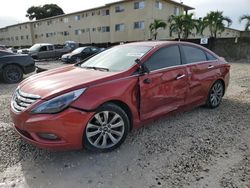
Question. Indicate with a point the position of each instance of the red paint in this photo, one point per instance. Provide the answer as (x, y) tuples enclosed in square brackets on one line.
[(161, 96)]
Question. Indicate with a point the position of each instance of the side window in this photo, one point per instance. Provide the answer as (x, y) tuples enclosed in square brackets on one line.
[(193, 54), (210, 57), (43, 49), (86, 50), (94, 49), (51, 48), (165, 57)]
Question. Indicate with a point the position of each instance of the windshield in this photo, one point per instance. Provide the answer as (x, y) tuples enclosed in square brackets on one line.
[(35, 47), (78, 50), (119, 58)]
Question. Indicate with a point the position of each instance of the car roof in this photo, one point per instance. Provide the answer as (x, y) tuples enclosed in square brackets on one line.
[(158, 43)]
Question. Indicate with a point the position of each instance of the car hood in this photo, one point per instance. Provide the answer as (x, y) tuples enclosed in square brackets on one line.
[(54, 82)]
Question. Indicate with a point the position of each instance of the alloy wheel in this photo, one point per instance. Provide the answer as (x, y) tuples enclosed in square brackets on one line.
[(216, 94), (105, 129)]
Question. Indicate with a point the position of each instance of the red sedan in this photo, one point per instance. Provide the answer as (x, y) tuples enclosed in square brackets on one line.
[(95, 103)]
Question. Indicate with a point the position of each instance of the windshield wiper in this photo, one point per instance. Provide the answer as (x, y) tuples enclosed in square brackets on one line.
[(97, 68)]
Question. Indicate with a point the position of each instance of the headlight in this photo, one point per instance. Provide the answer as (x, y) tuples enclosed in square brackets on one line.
[(57, 104)]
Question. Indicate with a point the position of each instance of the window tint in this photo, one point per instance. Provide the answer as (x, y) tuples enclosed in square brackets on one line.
[(51, 48), (193, 54), (210, 57), (43, 49), (86, 50), (165, 57)]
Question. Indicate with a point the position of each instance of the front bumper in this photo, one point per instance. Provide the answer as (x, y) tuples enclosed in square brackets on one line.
[(68, 126)]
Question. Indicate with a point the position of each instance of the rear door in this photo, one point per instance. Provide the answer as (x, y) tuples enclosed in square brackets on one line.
[(165, 87), (202, 68)]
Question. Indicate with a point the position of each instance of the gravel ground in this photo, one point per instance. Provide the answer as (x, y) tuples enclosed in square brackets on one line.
[(198, 148)]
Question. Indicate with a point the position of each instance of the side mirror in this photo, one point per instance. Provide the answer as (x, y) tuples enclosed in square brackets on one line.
[(142, 67)]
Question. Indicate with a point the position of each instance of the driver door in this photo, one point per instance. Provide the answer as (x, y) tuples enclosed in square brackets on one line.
[(164, 89)]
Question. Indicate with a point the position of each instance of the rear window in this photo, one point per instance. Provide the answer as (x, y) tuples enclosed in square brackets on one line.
[(193, 54), (210, 57)]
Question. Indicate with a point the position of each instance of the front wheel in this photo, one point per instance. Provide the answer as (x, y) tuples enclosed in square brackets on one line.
[(107, 129), (215, 94), (12, 74)]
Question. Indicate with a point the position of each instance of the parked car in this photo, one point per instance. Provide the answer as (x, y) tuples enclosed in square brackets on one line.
[(80, 54), (94, 104), (23, 51), (47, 51), (13, 66)]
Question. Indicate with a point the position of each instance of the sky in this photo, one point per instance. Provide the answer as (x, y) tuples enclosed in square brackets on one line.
[(13, 11)]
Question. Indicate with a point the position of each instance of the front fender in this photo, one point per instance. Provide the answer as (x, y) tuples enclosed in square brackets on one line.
[(124, 90)]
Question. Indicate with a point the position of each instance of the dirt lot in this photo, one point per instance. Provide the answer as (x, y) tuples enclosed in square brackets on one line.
[(198, 148)]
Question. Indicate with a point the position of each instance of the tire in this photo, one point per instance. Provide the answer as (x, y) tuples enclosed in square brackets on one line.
[(107, 129), (12, 74), (215, 95)]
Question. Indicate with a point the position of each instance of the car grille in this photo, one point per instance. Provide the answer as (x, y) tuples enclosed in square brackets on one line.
[(21, 101)]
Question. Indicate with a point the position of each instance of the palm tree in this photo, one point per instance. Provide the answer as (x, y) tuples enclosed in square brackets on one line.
[(176, 25), (183, 25), (155, 26), (215, 21), (189, 24), (247, 18)]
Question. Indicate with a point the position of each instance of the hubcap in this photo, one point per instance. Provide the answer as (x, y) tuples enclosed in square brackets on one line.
[(13, 74), (216, 94), (105, 129)]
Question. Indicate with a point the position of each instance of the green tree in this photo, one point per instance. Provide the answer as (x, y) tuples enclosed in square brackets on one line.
[(176, 25), (155, 26), (215, 21), (45, 11), (183, 25), (246, 18)]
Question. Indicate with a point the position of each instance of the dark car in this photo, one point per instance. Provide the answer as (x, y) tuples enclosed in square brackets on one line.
[(79, 54), (13, 66), (94, 104)]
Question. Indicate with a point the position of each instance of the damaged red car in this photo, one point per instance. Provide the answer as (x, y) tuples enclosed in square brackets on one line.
[(94, 104)]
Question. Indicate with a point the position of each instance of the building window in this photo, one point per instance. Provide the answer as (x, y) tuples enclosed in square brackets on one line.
[(176, 11), (88, 30), (105, 12), (93, 13), (119, 8), (87, 14), (139, 25), (158, 5), (65, 20), (105, 29), (139, 5), (20, 27), (16, 37), (27, 37), (94, 29), (49, 22), (65, 33), (77, 18), (119, 27), (77, 32), (98, 12), (99, 29), (22, 37)]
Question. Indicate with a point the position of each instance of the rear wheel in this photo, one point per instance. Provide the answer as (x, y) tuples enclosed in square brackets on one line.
[(215, 94), (107, 129), (12, 74)]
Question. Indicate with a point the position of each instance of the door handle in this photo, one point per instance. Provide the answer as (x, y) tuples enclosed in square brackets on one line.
[(147, 81), (180, 76), (210, 67)]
